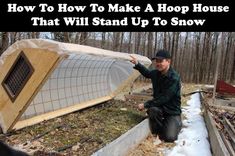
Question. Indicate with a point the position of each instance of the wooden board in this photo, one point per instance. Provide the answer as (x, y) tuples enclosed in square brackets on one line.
[(221, 104), (42, 61), (126, 142), (60, 112), (133, 97), (216, 142)]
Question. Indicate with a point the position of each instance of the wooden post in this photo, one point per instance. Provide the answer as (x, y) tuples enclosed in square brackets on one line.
[(217, 67)]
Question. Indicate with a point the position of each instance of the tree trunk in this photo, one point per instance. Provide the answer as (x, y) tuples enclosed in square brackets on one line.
[(137, 42), (165, 41), (66, 37), (155, 45), (121, 41), (130, 43), (84, 38), (5, 42), (35, 34), (116, 41), (150, 45), (103, 40), (58, 36)]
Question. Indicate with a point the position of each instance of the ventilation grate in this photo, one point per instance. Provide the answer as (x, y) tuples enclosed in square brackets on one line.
[(17, 76)]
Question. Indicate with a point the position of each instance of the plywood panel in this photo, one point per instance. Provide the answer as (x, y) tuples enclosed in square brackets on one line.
[(3, 72), (42, 61)]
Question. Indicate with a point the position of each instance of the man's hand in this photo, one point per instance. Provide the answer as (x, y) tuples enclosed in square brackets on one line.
[(133, 60), (141, 107)]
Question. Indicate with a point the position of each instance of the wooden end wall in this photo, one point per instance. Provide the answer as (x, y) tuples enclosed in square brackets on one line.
[(43, 62)]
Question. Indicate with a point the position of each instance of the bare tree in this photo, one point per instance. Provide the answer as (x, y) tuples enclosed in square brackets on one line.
[(5, 41), (58, 36), (66, 37), (228, 56), (35, 34), (83, 38), (155, 44), (121, 41), (193, 53), (137, 42), (130, 43), (165, 41), (150, 45), (103, 37)]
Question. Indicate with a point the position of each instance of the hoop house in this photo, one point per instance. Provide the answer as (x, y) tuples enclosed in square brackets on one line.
[(42, 79)]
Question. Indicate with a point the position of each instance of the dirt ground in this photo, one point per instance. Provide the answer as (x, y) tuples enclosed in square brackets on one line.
[(84, 132), (150, 147), (79, 133)]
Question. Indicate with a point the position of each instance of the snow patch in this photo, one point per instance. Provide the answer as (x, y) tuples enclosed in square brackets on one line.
[(193, 138)]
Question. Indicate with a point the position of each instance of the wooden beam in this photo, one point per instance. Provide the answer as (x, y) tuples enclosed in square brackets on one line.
[(228, 145), (60, 112), (227, 108), (219, 106), (133, 96), (217, 145), (126, 142)]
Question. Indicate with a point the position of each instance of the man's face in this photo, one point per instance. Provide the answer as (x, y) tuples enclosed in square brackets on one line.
[(162, 64)]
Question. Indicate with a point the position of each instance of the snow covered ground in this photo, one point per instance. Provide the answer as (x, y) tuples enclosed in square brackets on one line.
[(193, 138)]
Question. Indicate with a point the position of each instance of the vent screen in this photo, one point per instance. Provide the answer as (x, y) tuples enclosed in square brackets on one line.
[(17, 77)]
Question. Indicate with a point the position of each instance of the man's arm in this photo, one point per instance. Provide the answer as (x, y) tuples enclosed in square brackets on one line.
[(141, 68)]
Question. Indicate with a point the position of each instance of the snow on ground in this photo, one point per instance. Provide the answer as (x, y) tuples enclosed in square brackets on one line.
[(193, 138)]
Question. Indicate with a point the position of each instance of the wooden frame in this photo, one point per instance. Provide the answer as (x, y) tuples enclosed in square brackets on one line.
[(216, 142), (43, 62), (4, 84)]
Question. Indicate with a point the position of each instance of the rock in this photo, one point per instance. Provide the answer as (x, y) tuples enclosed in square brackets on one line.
[(123, 109), (76, 147)]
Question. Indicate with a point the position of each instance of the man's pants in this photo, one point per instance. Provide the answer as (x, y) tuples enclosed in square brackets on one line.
[(166, 126)]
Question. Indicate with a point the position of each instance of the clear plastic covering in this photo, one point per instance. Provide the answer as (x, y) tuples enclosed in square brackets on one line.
[(77, 79)]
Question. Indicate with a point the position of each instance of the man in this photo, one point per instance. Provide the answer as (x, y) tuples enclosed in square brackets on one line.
[(6, 150), (164, 110)]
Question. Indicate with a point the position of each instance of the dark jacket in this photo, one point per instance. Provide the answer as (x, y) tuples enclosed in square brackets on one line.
[(166, 89)]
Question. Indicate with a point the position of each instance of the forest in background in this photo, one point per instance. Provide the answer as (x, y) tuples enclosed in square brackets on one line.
[(194, 54)]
